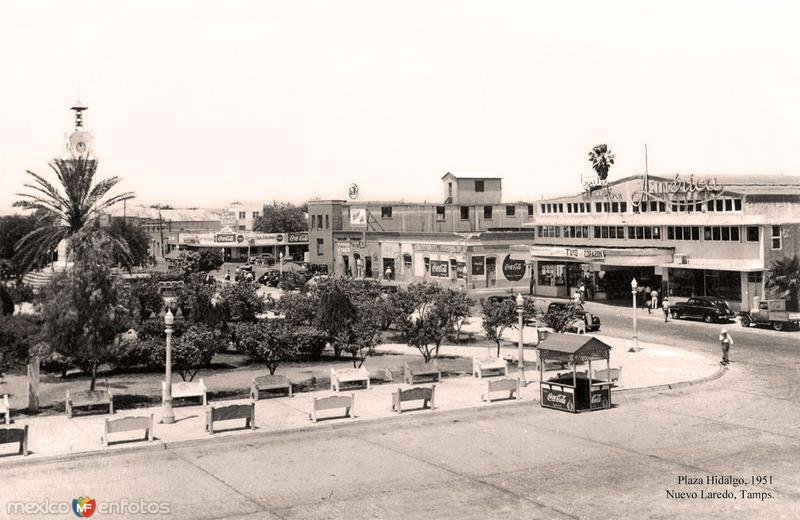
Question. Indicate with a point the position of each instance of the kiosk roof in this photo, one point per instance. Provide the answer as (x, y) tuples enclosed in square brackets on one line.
[(585, 347)]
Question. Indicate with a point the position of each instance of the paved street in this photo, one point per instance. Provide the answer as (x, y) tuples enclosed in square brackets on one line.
[(516, 461)]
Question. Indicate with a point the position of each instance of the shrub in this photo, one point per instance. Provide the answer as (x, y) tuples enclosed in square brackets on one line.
[(18, 335), (266, 342), (147, 352), (560, 318), (299, 308), (243, 301), (309, 341), (194, 349)]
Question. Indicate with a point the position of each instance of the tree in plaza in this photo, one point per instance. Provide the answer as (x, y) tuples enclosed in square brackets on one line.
[(497, 317), (145, 298), (602, 159), (281, 217), (359, 338), (299, 308), (194, 349), (137, 240), (62, 210), (783, 277), (433, 318), (18, 336), (82, 307), (459, 306), (200, 302), (560, 318), (242, 301), (12, 229), (335, 312), (268, 342), (199, 261)]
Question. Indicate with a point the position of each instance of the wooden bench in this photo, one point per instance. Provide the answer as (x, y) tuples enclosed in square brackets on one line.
[(502, 385), (612, 375), (348, 375), (269, 383), (412, 370), (229, 413), (128, 424), (5, 408), (20, 435), (419, 393), (186, 389), (89, 399), (479, 366), (331, 403)]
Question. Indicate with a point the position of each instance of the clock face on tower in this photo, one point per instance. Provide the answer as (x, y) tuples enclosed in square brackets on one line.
[(80, 142), (80, 147)]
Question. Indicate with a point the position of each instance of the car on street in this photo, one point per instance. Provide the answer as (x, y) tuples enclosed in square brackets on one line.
[(591, 322), (262, 259), (710, 309)]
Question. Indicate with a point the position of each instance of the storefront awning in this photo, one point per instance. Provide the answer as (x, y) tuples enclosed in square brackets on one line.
[(747, 266), (621, 256)]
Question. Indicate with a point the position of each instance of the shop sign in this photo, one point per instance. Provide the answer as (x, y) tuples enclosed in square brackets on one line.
[(344, 249), (225, 237), (279, 238), (585, 253), (461, 270), (440, 268), (554, 398), (228, 218), (240, 238), (298, 237), (358, 216), (478, 264), (439, 248), (690, 190), (513, 270)]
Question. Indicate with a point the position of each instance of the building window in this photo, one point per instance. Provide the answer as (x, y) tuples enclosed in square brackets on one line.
[(683, 233), (551, 273), (320, 247), (576, 231), (242, 227), (440, 214), (242, 215), (319, 221), (530, 210), (479, 186), (327, 222), (464, 212), (756, 277), (510, 211), (543, 208), (386, 212), (615, 232), (644, 232), (313, 221), (487, 212), (407, 264), (255, 214), (549, 231), (752, 233), (776, 237), (561, 208), (427, 264), (723, 233)]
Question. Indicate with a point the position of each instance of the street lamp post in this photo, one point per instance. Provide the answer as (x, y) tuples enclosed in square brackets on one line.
[(167, 415), (280, 256), (635, 346), (520, 361)]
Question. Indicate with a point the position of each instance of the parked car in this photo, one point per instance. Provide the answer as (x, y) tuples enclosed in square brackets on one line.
[(772, 313), (707, 308), (262, 259), (591, 322)]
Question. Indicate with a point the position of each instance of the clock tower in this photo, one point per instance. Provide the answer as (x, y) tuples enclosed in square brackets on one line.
[(79, 142)]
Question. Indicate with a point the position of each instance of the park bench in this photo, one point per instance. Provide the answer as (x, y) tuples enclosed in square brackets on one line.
[(230, 413), (186, 389), (502, 385), (332, 403), (20, 435), (612, 375), (89, 399), (5, 408), (479, 366), (269, 383), (128, 424), (419, 393), (412, 370), (348, 375)]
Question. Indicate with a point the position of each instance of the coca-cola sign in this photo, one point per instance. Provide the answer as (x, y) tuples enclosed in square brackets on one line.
[(601, 398), (554, 398), (440, 268), (513, 270)]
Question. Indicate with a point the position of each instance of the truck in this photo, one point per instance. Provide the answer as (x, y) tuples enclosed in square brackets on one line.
[(772, 313)]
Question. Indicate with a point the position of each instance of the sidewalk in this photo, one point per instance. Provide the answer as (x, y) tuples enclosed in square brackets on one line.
[(58, 436)]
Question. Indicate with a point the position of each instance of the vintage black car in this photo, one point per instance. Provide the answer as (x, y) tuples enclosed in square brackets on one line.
[(592, 322), (707, 308)]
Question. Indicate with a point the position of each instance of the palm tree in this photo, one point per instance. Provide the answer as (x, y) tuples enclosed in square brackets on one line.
[(784, 278), (61, 213), (602, 159)]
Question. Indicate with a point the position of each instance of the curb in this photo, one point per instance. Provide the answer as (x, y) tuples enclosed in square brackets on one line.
[(673, 386)]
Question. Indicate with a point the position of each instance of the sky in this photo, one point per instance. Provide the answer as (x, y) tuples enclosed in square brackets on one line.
[(198, 104)]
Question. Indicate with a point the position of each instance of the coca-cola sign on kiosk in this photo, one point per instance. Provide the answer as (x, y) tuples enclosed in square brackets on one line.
[(513, 270), (440, 268), (554, 398)]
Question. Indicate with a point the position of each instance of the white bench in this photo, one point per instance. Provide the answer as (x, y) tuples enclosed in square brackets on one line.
[(502, 385), (5, 408), (481, 365), (229, 413), (332, 403), (186, 389), (349, 375), (267, 383), (20, 435), (88, 399), (612, 375), (412, 370), (128, 424), (419, 393)]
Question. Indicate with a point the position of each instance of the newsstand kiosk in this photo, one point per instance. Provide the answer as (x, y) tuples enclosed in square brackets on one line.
[(574, 391)]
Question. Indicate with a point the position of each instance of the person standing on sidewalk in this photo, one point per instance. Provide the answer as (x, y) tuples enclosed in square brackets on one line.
[(665, 308), (645, 300), (653, 301), (725, 342)]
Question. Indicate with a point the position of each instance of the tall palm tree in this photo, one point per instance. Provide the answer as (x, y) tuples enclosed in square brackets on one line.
[(74, 204), (783, 277), (602, 159)]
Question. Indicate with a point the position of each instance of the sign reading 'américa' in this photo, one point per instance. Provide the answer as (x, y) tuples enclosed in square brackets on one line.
[(690, 190)]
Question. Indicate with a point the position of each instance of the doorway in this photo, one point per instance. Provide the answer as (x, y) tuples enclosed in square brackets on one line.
[(491, 271), (368, 267)]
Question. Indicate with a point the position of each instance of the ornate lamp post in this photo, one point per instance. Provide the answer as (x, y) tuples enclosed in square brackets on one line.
[(280, 256), (520, 362), (635, 346), (167, 415)]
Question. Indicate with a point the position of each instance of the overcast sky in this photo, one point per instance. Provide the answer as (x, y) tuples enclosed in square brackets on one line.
[(202, 103)]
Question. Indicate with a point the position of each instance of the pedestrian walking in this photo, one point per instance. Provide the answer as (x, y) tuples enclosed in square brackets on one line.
[(645, 300), (665, 308), (725, 342), (228, 275), (582, 291), (653, 301)]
